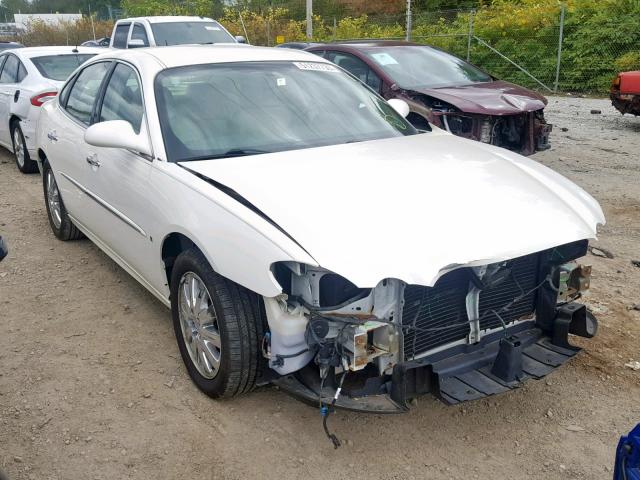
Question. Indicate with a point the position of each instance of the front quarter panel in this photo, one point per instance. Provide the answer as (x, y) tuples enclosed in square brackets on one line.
[(238, 244)]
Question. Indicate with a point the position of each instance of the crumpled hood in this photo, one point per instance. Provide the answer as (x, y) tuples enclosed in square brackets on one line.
[(409, 207), (492, 98)]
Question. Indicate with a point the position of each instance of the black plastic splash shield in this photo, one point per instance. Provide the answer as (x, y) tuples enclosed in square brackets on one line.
[(454, 375)]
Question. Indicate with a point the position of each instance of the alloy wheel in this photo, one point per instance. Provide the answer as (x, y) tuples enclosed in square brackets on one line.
[(18, 147), (199, 325), (53, 199)]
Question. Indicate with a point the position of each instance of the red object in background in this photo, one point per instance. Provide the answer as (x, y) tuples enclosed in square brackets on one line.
[(630, 83)]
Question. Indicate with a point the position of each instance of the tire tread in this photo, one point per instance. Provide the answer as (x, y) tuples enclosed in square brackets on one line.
[(243, 323)]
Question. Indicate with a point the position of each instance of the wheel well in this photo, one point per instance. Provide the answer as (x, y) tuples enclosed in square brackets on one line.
[(14, 119), (41, 155), (173, 245)]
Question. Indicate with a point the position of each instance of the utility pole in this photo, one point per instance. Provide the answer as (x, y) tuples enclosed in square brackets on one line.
[(309, 19), (409, 22), (470, 34), (93, 28), (560, 37)]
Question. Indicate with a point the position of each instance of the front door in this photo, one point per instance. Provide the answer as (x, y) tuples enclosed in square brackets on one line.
[(120, 178)]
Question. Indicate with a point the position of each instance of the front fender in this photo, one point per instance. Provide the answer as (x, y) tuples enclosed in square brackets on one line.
[(238, 244)]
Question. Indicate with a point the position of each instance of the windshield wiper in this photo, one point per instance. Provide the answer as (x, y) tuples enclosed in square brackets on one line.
[(234, 152)]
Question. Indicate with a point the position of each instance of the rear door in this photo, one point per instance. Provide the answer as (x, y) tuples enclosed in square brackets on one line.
[(66, 150)]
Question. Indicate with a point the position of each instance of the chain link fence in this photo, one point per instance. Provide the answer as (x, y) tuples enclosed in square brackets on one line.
[(549, 49), (543, 46)]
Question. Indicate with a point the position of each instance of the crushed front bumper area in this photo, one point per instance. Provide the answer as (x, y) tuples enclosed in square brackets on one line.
[(526, 133), (628, 103), (498, 363)]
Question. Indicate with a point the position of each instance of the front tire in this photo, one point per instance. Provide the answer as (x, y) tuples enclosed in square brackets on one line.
[(20, 152), (59, 219), (218, 326)]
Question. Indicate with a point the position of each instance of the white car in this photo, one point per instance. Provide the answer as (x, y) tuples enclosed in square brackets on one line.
[(303, 232), (162, 31), (29, 77)]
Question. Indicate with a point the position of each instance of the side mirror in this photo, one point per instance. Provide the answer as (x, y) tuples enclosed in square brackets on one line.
[(116, 134), (136, 43), (400, 106), (240, 39), (4, 251)]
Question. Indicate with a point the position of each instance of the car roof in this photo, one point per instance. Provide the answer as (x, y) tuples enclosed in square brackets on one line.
[(30, 52), (367, 43), (166, 19), (181, 55)]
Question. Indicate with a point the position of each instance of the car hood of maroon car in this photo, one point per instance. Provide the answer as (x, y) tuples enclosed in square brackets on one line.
[(489, 98)]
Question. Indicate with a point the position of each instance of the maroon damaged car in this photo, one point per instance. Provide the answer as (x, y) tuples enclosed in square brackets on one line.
[(446, 91)]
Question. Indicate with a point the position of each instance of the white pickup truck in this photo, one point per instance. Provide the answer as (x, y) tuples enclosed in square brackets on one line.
[(169, 30)]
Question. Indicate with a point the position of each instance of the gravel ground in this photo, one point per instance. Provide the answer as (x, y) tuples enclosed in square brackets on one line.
[(92, 385)]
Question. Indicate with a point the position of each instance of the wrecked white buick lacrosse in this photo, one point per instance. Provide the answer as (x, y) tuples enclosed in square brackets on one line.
[(304, 234)]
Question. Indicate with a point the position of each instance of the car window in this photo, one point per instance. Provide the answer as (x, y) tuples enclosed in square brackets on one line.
[(356, 67), (10, 70), (64, 93), (123, 98), (22, 72), (84, 91), (415, 66), (182, 33), (59, 67), (9, 46), (139, 33), (120, 37)]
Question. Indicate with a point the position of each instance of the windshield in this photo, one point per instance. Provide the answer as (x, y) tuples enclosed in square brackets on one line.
[(413, 67), (59, 67), (183, 33), (224, 110)]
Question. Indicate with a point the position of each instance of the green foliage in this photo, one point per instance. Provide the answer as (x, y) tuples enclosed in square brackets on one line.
[(628, 61), (596, 39), (601, 37)]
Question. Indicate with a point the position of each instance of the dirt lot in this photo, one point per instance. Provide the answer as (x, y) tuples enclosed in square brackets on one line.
[(92, 386)]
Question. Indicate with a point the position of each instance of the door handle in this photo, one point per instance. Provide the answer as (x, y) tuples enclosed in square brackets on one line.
[(93, 160), (16, 96), (52, 136)]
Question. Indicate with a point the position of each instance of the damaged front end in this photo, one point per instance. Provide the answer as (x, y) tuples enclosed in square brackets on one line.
[(525, 133), (625, 93), (479, 330)]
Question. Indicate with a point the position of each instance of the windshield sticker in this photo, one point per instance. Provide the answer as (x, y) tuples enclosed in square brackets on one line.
[(384, 59), (209, 27), (317, 67), (282, 82)]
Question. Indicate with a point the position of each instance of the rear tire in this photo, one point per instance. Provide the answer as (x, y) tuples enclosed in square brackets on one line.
[(20, 152), (61, 224), (220, 342)]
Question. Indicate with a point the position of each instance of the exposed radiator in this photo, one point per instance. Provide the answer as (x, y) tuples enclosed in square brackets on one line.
[(442, 306), (524, 277)]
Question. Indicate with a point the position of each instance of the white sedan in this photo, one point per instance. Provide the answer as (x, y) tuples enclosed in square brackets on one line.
[(303, 233), (29, 77)]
